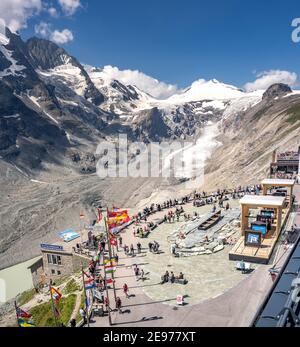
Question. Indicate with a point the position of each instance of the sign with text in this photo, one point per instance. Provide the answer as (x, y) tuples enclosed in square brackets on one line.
[(51, 247)]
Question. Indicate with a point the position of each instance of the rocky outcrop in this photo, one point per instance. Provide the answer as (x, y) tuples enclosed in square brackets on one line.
[(47, 55), (276, 90)]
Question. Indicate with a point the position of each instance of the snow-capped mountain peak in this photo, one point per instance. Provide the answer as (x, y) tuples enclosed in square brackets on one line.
[(207, 90)]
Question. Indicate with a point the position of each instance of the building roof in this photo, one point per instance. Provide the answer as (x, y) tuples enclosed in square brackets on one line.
[(278, 182), (263, 200), (274, 311)]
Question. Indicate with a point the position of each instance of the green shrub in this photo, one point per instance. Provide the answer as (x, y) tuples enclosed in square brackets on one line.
[(43, 314), (71, 287), (26, 297)]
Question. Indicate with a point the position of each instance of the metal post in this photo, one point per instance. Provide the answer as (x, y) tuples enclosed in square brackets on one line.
[(110, 255), (53, 306), (16, 308), (85, 297), (105, 284)]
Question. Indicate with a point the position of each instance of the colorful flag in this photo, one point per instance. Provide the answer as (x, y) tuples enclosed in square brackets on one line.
[(89, 285), (23, 323), (55, 294), (117, 213), (117, 219), (88, 276), (22, 314), (110, 269), (112, 261), (110, 281), (23, 318)]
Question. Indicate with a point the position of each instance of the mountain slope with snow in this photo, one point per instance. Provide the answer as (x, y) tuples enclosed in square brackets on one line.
[(207, 90)]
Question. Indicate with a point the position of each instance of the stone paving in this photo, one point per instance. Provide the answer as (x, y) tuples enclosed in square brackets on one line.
[(208, 275), (236, 307)]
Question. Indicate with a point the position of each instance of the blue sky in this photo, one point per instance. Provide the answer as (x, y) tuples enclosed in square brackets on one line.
[(181, 41)]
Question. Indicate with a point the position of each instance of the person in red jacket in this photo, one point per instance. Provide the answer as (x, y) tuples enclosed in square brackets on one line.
[(126, 289)]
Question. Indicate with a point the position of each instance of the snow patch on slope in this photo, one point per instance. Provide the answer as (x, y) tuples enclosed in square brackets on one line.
[(68, 74), (14, 68), (206, 90), (35, 101)]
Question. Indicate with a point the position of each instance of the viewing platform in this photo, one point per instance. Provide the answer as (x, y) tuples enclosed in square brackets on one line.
[(262, 229)]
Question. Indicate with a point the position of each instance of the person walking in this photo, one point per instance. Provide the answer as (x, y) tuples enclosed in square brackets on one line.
[(120, 241), (142, 275), (136, 270), (83, 315), (125, 290), (119, 305), (132, 250), (106, 303), (139, 247)]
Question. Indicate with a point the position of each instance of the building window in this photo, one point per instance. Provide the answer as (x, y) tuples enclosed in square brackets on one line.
[(54, 259), (59, 273), (49, 258), (53, 272)]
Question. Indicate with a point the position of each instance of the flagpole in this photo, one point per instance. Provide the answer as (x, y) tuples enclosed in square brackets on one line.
[(110, 254), (53, 308), (80, 228), (85, 297), (105, 284), (16, 308)]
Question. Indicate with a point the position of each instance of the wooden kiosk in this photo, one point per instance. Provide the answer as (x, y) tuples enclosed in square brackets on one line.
[(258, 238), (280, 183)]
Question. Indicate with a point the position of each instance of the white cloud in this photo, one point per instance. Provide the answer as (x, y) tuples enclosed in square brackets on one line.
[(144, 82), (267, 78), (43, 29), (53, 12), (15, 13), (61, 37), (69, 6)]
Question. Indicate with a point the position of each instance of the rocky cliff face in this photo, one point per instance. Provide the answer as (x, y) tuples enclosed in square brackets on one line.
[(249, 138), (46, 55), (277, 90)]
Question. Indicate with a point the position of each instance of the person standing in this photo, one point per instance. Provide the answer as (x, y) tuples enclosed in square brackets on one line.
[(136, 270), (106, 303), (125, 290), (132, 250), (142, 275), (139, 247), (120, 241), (83, 315), (119, 304)]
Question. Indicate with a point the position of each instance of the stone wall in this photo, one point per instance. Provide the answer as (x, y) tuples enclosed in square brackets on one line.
[(56, 271)]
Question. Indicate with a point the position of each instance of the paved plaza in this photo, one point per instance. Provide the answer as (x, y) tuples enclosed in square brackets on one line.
[(208, 275)]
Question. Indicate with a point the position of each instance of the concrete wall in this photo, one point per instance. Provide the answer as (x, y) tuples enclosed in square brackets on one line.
[(37, 272)]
